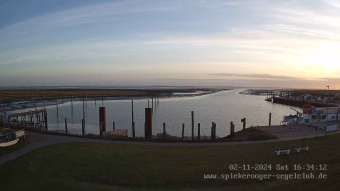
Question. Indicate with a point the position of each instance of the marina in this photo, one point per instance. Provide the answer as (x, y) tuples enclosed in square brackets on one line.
[(178, 116)]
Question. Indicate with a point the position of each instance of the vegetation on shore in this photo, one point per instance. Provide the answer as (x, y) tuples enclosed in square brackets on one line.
[(89, 166), (38, 94)]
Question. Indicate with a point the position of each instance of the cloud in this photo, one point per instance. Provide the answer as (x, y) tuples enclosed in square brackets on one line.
[(250, 36), (255, 76)]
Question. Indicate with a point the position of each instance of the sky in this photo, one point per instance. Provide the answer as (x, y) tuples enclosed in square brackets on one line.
[(262, 43)]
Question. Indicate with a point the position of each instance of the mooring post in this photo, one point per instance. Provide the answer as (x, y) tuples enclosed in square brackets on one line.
[(270, 119), (45, 120), (84, 117), (164, 130), (192, 125), (113, 125), (232, 129), (57, 105), (199, 131), (83, 127), (133, 130), (102, 120), (66, 130), (72, 112), (244, 123), (132, 120), (213, 131), (183, 126), (148, 124)]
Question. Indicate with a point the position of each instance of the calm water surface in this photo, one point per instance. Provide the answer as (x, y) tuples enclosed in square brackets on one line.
[(221, 107)]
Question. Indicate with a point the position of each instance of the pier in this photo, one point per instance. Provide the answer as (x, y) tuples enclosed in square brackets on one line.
[(35, 119)]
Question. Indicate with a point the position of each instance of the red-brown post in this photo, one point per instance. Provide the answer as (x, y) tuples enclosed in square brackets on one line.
[(148, 123), (102, 120)]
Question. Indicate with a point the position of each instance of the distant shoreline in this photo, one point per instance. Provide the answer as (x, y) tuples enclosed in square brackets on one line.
[(23, 99)]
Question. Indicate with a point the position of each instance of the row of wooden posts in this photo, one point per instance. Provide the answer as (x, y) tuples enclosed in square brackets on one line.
[(102, 115), (148, 125), (148, 121)]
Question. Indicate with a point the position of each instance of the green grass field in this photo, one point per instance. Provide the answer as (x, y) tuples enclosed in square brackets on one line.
[(82, 166)]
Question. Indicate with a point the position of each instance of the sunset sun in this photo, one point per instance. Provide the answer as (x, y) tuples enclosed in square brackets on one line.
[(324, 60)]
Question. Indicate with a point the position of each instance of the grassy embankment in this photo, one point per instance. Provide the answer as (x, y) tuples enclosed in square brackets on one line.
[(250, 134), (84, 166)]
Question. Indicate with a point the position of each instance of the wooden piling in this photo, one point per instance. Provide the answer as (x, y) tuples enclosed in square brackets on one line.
[(270, 120), (192, 125), (213, 131), (133, 130), (132, 120), (66, 129), (199, 131), (84, 117), (244, 123), (183, 126), (83, 127), (148, 124), (57, 107), (72, 111), (102, 120), (232, 129), (45, 120), (113, 125), (164, 130)]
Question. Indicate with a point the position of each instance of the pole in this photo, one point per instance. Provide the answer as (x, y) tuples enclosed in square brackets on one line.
[(164, 130), (133, 130), (102, 120), (270, 119), (183, 126), (83, 127), (113, 125), (199, 131), (57, 106), (192, 125), (72, 112), (84, 109), (148, 124), (66, 130), (132, 120), (232, 129), (244, 123), (213, 131), (45, 120)]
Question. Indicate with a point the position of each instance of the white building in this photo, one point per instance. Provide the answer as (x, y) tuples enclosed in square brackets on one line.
[(315, 115)]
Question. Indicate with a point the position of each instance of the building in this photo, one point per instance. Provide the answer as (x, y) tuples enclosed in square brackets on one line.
[(314, 115), (325, 118)]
